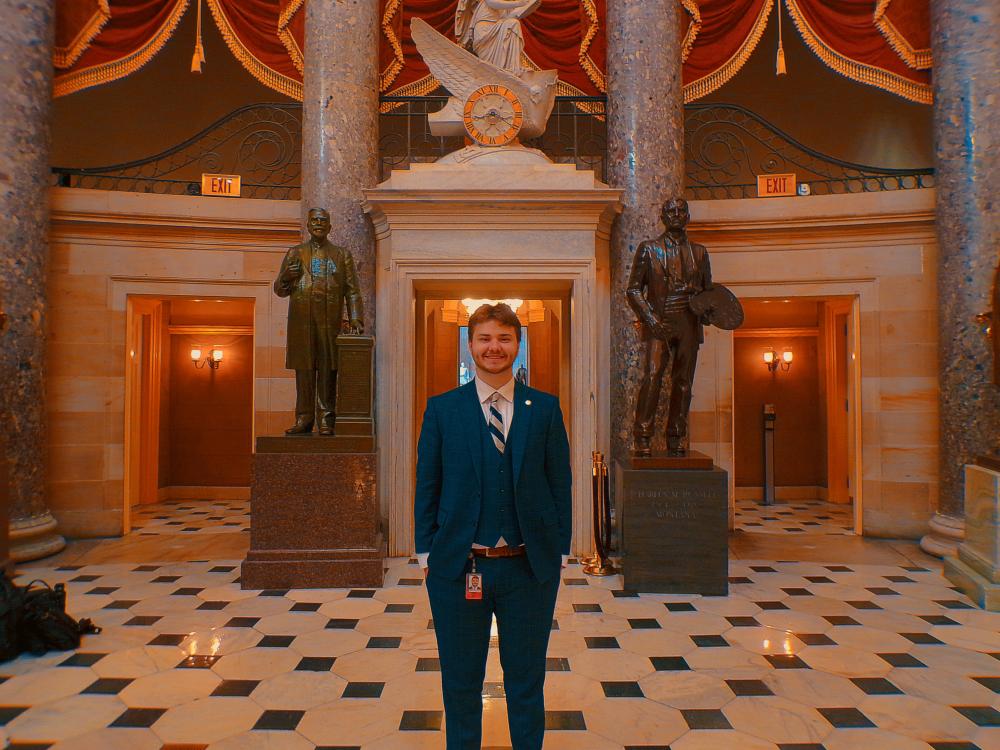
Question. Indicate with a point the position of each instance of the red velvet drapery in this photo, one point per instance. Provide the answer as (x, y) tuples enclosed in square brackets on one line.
[(844, 35), (251, 29), (133, 32), (566, 35), (883, 43)]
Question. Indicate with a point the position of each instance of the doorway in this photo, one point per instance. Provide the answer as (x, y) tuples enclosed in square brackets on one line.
[(188, 403), (795, 373), (444, 361)]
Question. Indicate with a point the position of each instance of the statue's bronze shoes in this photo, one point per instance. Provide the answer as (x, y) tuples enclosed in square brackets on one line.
[(300, 428)]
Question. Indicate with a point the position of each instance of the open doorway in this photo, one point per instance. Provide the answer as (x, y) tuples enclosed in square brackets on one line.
[(188, 410), (444, 361), (795, 445)]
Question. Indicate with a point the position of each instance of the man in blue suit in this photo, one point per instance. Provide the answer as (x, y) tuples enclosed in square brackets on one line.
[(493, 524)]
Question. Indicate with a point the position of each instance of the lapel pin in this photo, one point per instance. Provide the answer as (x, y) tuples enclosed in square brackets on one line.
[(527, 402)]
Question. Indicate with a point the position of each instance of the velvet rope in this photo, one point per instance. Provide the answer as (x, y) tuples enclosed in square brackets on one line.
[(135, 31)]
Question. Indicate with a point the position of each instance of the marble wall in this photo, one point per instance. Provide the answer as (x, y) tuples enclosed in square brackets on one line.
[(107, 246), (878, 249)]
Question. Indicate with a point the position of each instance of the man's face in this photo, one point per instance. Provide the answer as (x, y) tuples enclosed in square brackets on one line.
[(318, 225), (676, 214), (494, 347)]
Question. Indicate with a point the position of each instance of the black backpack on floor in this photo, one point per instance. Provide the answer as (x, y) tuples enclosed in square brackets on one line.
[(33, 618)]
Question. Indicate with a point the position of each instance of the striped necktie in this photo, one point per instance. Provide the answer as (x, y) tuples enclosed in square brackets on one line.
[(496, 422)]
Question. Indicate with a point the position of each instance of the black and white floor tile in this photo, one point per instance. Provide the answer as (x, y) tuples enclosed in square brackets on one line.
[(794, 517), (192, 516), (800, 656)]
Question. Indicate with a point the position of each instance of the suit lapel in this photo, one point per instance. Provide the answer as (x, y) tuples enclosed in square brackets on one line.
[(517, 437), (471, 417)]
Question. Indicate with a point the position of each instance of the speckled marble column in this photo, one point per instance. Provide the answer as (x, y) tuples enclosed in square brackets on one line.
[(340, 126), (966, 47), (25, 80), (646, 160)]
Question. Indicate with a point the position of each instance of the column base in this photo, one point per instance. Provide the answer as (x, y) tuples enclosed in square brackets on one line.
[(974, 584), (947, 532), (35, 537)]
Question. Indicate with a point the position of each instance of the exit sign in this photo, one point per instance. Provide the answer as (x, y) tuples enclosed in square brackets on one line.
[(773, 185), (226, 185)]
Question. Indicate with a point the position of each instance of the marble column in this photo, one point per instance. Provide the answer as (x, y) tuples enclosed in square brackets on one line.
[(340, 126), (26, 81), (965, 38), (645, 160)]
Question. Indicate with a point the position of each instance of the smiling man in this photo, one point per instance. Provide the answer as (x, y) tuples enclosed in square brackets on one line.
[(493, 525)]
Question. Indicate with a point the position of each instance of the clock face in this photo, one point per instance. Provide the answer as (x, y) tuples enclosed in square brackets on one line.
[(493, 115)]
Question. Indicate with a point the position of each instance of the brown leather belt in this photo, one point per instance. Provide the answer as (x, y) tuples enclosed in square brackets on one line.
[(498, 551)]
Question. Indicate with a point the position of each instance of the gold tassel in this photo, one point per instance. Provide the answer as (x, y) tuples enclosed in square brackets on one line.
[(199, 51), (780, 62)]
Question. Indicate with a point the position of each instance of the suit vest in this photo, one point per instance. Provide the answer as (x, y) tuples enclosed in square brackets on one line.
[(497, 514)]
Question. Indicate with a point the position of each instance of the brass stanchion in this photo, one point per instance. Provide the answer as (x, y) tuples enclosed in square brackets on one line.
[(601, 565)]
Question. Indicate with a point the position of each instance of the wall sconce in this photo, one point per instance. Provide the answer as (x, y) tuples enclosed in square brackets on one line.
[(213, 360), (773, 361)]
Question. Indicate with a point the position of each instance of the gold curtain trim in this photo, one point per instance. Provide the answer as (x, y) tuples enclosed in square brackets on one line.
[(857, 71), (586, 62), (96, 75), (269, 77), (420, 87), (64, 57), (707, 84), (691, 6), (919, 59), (286, 37), (387, 76)]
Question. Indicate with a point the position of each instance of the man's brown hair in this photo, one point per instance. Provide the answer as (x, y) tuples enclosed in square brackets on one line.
[(501, 313)]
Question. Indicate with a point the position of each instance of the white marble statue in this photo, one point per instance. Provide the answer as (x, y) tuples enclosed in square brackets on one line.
[(492, 30)]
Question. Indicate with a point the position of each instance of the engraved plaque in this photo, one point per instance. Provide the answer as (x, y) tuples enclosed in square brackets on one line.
[(674, 530)]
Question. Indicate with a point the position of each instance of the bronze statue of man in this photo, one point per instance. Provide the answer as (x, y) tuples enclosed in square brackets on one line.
[(667, 273), (318, 276)]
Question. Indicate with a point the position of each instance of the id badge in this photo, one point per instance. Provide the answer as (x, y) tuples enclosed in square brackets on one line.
[(474, 586)]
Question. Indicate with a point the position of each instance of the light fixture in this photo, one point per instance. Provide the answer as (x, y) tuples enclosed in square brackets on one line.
[(471, 305), (213, 360), (773, 361)]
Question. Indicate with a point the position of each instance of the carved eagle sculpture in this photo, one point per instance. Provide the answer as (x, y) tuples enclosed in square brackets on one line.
[(461, 72)]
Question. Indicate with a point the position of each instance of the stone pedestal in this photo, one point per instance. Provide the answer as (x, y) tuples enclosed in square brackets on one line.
[(976, 570), (675, 526), (314, 520)]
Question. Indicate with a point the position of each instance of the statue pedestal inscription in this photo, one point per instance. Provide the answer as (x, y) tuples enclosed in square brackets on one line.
[(674, 530), (976, 570), (314, 515)]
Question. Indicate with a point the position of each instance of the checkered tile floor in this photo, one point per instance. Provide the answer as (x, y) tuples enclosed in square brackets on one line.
[(191, 516), (800, 656), (794, 517)]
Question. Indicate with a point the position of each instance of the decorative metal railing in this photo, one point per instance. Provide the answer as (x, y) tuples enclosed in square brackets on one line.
[(726, 146), (261, 142)]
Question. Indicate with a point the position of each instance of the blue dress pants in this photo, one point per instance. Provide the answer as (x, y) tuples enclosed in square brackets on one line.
[(523, 609)]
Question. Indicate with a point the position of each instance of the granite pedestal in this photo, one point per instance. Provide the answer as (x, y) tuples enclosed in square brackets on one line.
[(674, 530), (976, 569), (314, 520)]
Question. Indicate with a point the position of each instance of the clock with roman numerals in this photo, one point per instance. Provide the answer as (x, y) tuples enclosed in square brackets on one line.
[(493, 115)]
